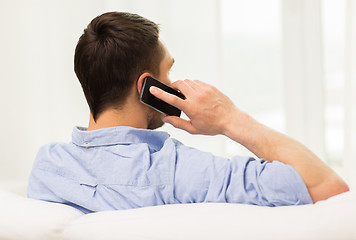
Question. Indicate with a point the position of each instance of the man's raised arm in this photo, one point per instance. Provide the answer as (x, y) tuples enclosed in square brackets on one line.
[(211, 112)]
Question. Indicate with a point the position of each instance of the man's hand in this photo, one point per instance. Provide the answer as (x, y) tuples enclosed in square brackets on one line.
[(208, 109)]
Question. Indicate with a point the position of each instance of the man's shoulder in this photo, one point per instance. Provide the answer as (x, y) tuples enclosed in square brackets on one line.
[(51, 151), (53, 146)]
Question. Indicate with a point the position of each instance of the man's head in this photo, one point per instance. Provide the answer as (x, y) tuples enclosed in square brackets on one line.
[(115, 50)]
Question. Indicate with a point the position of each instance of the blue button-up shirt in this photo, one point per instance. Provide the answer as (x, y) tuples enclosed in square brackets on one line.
[(124, 167)]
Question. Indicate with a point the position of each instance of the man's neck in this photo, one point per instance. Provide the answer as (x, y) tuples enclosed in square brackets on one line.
[(114, 118)]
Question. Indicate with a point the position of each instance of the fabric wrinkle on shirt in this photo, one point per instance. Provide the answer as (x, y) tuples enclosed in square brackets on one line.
[(124, 167)]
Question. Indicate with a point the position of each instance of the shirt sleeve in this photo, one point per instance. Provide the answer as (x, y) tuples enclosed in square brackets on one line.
[(203, 177)]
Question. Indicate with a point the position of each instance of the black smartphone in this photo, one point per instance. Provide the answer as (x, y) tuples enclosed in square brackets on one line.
[(156, 103)]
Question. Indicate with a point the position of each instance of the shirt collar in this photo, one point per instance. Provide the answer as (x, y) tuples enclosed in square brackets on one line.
[(118, 135)]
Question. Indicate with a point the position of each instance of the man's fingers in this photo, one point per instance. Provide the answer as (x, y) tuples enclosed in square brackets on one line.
[(180, 123), (183, 86), (167, 97)]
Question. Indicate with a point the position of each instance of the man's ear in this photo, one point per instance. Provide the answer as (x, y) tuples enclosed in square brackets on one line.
[(141, 80)]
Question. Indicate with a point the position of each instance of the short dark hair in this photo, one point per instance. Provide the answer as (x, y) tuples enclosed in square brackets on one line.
[(114, 50)]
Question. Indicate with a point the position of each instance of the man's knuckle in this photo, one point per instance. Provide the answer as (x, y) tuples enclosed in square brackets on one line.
[(174, 100), (179, 82), (210, 89)]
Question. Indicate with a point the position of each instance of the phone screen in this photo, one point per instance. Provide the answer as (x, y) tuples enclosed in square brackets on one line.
[(156, 103)]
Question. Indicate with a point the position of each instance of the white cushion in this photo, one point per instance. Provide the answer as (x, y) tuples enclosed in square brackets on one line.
[(331, 219), (22, 218)]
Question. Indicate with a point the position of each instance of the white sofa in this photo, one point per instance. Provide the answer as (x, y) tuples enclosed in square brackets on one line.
[(23, 218)]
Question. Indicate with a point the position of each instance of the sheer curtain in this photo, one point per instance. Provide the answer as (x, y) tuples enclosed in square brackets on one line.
[(350, 92), (290, 63), (319, 73)]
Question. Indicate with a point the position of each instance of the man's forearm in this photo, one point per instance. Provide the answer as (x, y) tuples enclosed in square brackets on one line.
[(270, 145)]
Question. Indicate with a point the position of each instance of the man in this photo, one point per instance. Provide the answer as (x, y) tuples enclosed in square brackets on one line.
[(119, 163)]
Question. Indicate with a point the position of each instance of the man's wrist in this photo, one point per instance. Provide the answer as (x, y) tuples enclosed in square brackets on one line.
[(239, 127)]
